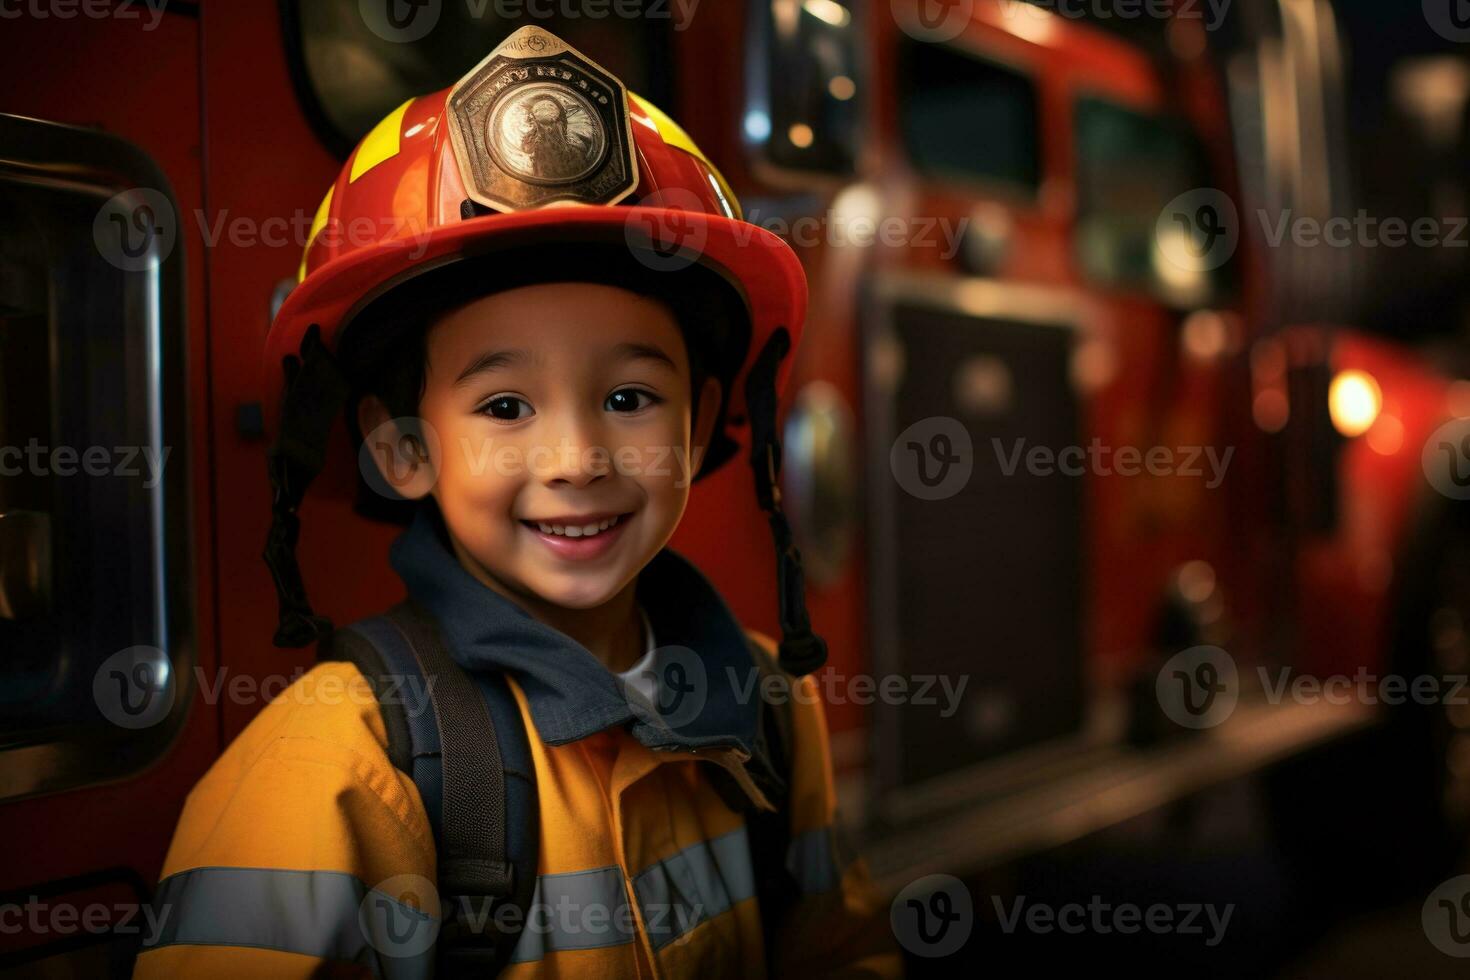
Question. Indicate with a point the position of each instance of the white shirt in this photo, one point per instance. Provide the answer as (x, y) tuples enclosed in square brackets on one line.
[(640, 676)]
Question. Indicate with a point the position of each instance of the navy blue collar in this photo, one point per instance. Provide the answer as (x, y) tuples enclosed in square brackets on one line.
[(709, 696)]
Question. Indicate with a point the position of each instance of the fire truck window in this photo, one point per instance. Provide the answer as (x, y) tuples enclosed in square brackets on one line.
[(805, 87), (1129, 167), (94, 592), (967, 118), (355, 62)]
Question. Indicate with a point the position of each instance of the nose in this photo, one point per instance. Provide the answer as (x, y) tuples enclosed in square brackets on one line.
[(579, 457)]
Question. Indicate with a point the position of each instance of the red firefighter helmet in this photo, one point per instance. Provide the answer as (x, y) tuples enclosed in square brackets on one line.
[(537, 145)]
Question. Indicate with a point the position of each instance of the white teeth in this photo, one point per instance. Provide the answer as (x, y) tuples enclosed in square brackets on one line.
[(573, 531)]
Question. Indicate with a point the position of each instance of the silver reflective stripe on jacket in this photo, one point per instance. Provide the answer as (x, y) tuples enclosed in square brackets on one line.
[(575, 910), (314, 913), (693, 885), (334, 916)]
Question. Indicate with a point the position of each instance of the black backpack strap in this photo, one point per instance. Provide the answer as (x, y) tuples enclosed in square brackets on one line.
[(475, 874), (443, 732)]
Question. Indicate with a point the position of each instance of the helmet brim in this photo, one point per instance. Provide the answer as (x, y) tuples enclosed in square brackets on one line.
[(758, 264)]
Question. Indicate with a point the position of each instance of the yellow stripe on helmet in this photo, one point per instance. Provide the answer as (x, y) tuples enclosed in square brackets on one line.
[(674, 135), (317, 224), (379, 145)]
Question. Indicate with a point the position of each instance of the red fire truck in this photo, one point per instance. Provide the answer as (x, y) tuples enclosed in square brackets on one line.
[(1036, 268)]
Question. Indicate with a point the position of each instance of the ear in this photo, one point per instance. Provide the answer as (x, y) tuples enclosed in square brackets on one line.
[(398, 449), (704, 419)]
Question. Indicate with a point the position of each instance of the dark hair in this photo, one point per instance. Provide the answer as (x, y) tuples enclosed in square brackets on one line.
[(383, 350)]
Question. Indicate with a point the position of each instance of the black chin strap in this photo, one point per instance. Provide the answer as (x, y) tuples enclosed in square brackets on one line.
[(802, 651), (316, 392)]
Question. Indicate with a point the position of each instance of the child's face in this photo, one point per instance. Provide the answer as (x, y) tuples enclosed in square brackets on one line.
[(555, 409)]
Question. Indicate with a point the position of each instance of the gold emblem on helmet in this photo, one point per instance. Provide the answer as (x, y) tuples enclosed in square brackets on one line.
[(538, 123)]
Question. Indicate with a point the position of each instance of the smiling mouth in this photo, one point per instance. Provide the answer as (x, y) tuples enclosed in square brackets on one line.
[(577, 528)]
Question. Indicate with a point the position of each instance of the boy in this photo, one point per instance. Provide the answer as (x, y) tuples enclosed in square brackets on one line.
[(538, 382)]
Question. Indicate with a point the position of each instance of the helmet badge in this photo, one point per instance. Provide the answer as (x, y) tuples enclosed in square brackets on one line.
[(538, 123)]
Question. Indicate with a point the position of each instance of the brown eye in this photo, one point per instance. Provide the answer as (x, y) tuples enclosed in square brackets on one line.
[(626, 400), (506, 408)]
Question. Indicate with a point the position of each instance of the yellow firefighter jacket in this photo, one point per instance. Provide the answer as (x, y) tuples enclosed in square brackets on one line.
[(644, 871)]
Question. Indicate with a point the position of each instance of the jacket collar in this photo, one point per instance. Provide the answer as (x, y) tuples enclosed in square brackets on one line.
[(705, 667)]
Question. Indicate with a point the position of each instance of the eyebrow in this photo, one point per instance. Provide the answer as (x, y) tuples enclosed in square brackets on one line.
[(493, 360), (496, 359), (629, 351)]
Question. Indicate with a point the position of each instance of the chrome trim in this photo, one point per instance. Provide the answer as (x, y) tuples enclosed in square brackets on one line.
[(92, 164)]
